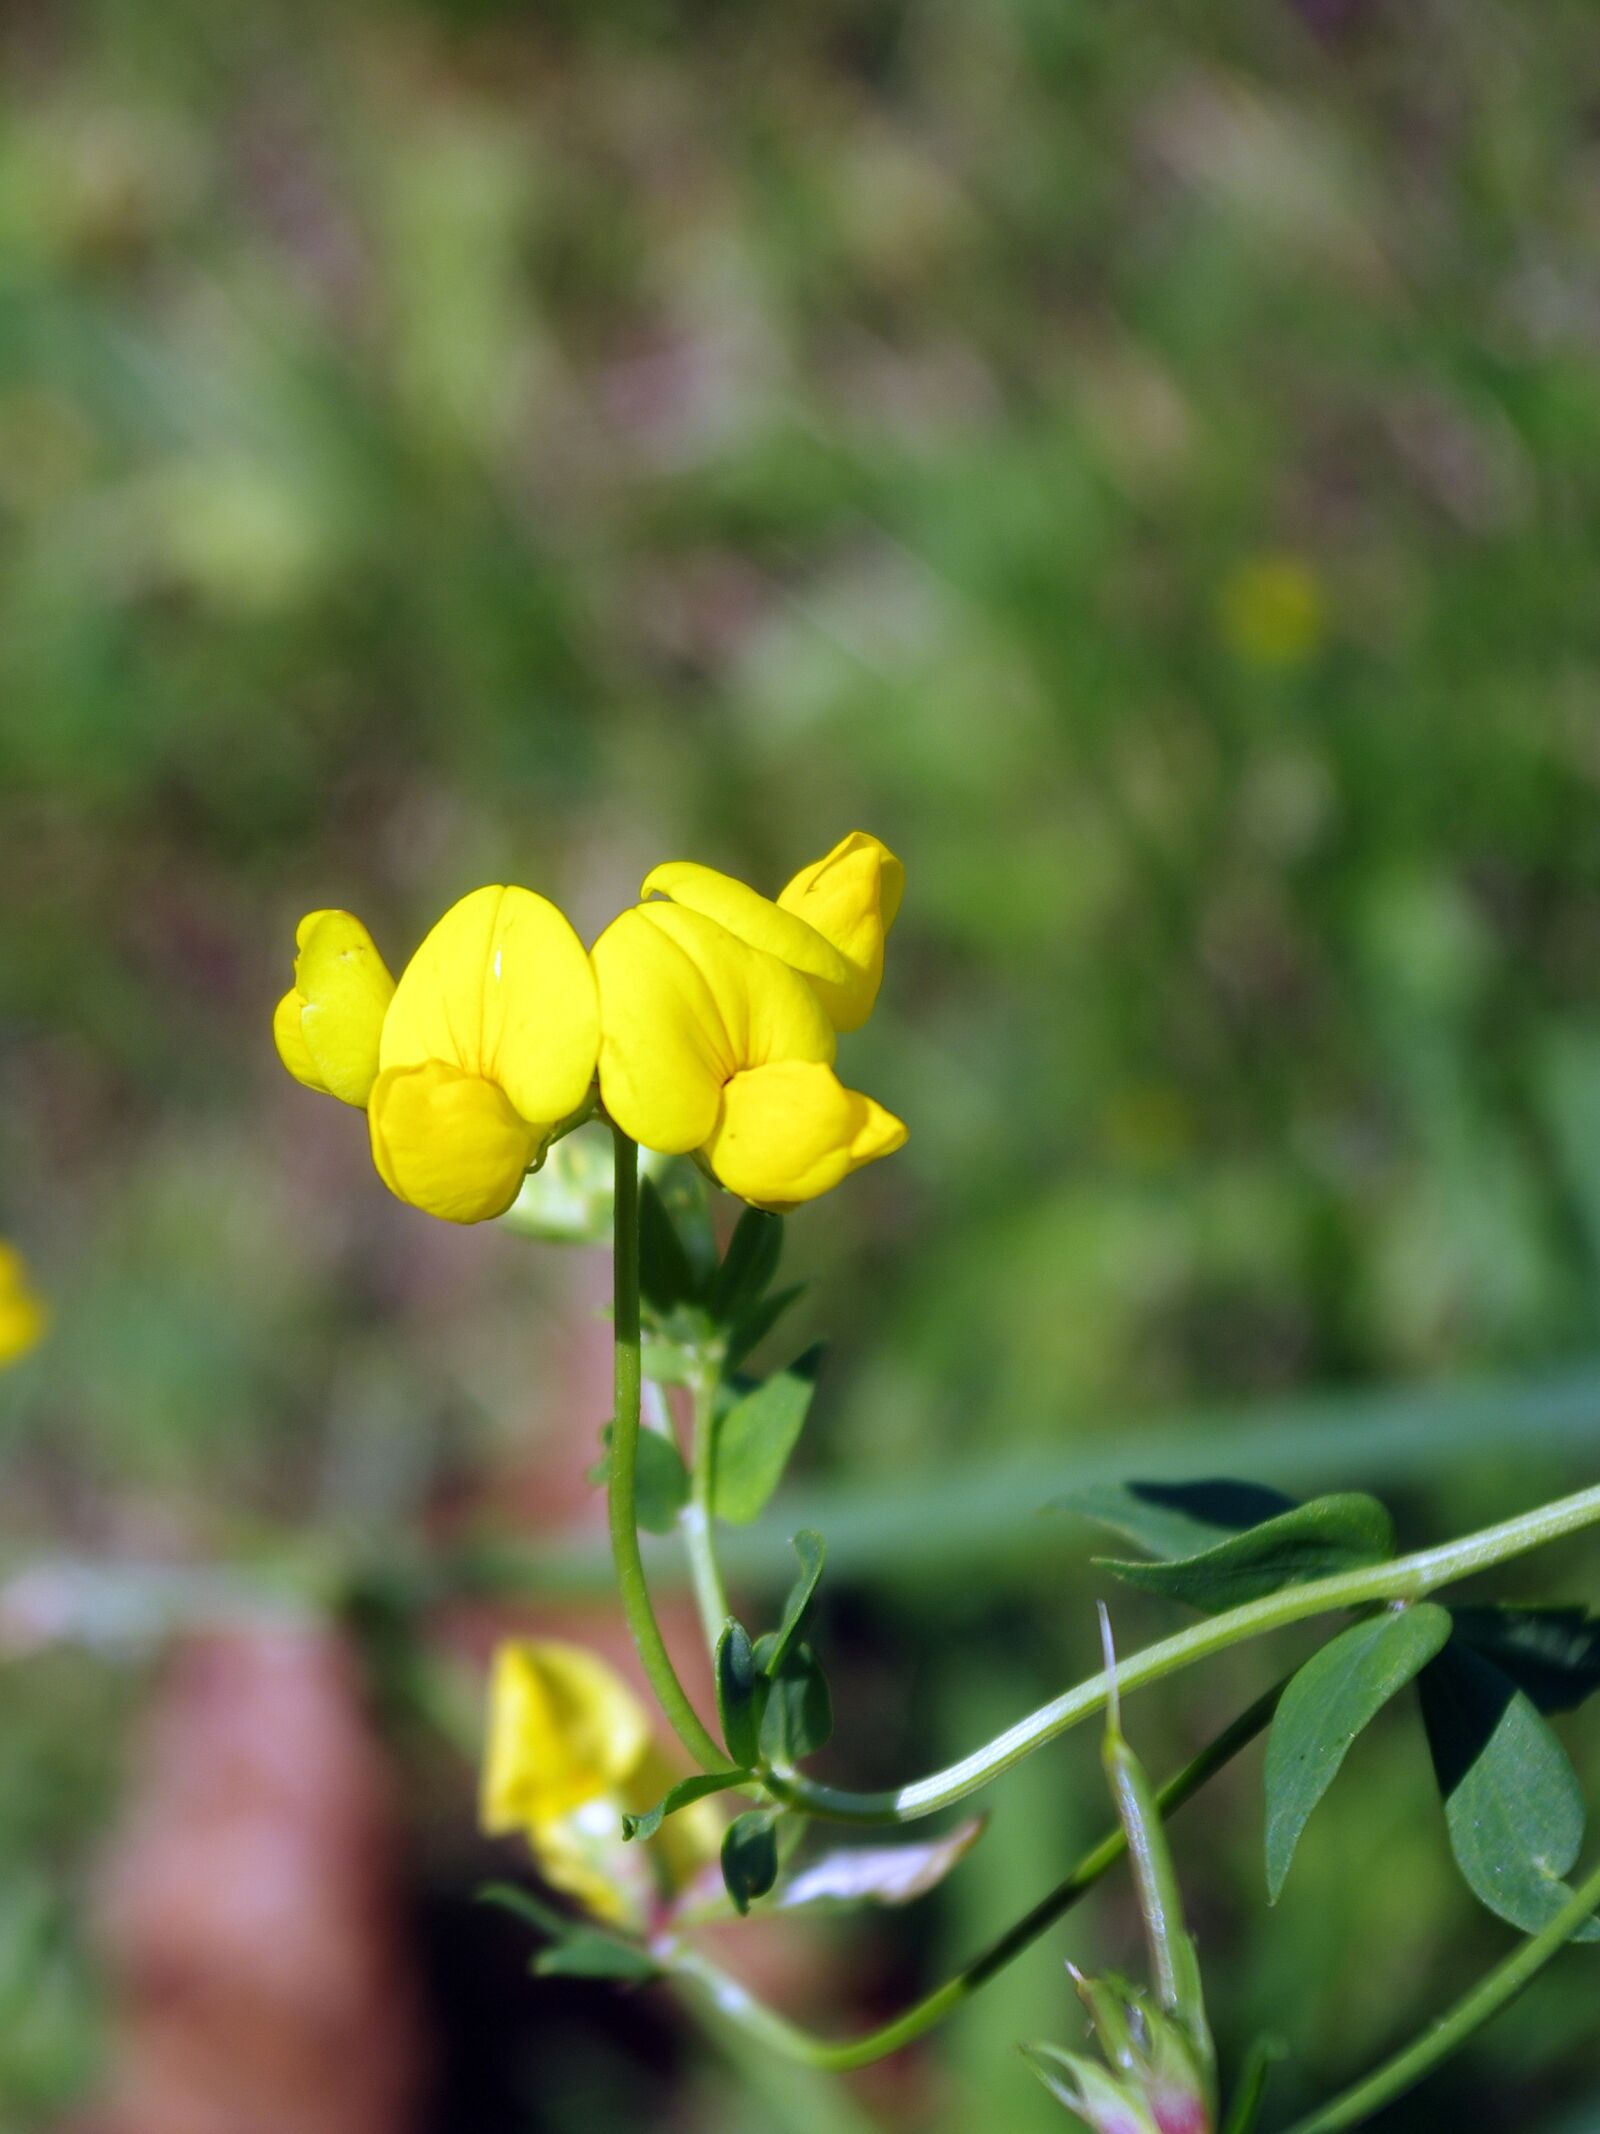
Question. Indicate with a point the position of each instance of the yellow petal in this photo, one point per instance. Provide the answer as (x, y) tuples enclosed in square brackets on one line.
[(23, 1314), (344, 989), (850, 896), (501, 989), (449, 1142), (684, 1006), (788, 1132), (290, 1041), (585, 1855), (751, 917), (564, 1729)]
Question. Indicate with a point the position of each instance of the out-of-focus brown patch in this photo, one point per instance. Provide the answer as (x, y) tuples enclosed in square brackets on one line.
[(250, 1914)]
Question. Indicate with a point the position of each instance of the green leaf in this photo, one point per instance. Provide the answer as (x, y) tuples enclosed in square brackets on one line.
[(750, 1857), (1551, 1653), (665, 1276), (1316, 1540), (1338, 1692), (660, 1479), (1512, 1802), (527, 1908), (879, 1874), (1168, 1519), (1244, 2113), (590, 1955), (773, 1649), (748, 1265), (680, 1796), (757, 1435), (667, 1363), (755, 1325), (741, 1694), (799, 1712)]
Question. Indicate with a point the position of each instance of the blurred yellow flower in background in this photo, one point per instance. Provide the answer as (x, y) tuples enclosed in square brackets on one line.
[(24, 1316), (328, 1024), (569, 1750), (1273, 611)]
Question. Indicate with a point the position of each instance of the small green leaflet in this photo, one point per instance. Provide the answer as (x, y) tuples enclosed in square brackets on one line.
[(756, 1437), (1512, 1802), (741, 1694), (1168, 1519), (1338, 1692), (748, 1265), (1316, 1540), (798, 1718), (665, 1275), (680, 1796), (660, 1479), (773, 1649), (755, 1324), (590, 1955), (749, 1857)]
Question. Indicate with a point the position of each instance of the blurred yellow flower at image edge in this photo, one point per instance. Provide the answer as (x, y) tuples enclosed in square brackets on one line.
[(24, 1316)]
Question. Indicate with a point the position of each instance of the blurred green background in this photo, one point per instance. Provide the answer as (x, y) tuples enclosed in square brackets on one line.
[(1143, 464)]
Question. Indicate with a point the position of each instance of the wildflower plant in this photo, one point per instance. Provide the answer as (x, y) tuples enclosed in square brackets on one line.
[(703, 1027)]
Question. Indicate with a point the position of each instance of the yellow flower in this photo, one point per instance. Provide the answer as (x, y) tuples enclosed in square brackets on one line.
[(1273, 611), (569, 1749), (487, 1047), (24, 1316), (828, 923), (711, 1045), (327, 1024)]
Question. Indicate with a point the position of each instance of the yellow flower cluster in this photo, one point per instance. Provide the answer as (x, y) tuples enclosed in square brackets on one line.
[(569, 1749), (711, 1014)]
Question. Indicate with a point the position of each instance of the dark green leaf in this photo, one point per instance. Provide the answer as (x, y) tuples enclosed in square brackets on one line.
[(1330, 1700), (755, 1324), (756, 1437), (748, 1265), (799, 1714), (660, 1479), (680, 1796), (749, 1857), (589, 1955), (1316, 1540), (1244, 2114), (1511, 1797), (528, 1908), (665, 1276), (1551, 1653), (741, 1694), (1168, 1519), (774, 1648), (879, 1874)]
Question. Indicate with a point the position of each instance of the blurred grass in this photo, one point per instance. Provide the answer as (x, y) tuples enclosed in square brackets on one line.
[(1140, 466)]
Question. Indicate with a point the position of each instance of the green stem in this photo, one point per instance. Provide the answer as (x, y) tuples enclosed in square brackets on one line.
[(695, 1521), (777, 2032), (635, 1593), (1402, 1578), (1451, 2031)]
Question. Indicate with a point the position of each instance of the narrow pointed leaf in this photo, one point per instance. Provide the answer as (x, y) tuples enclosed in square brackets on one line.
[(665, 1276), (1169, 1519), (1338, 1692), (774, 1648), (687, 1790), (1316, 1540), (1512, 1802), (754, 1325), (528, 1908), (756, 1437), (589, 1955), (798, 1718), (748, 1265), (1244, 2114)]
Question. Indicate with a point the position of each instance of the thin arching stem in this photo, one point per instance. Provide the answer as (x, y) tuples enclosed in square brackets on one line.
[(635, 1593), (740, 2006)]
